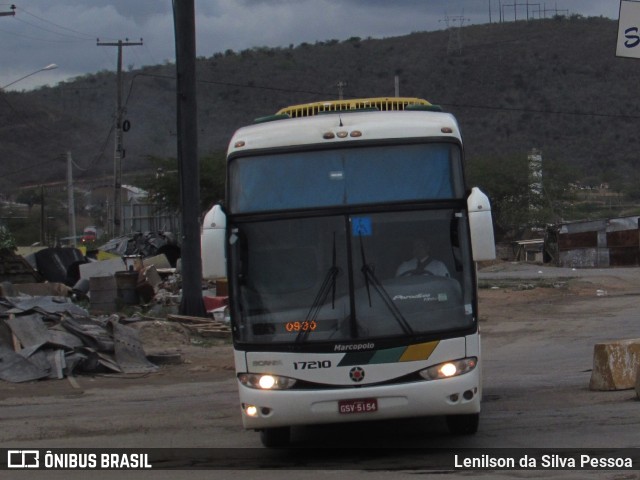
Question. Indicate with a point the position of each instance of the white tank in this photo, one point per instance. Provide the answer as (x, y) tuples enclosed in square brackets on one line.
[(214, 259)]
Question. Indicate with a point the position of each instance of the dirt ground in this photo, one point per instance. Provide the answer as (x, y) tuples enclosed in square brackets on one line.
[(208, 359), (534, 292)]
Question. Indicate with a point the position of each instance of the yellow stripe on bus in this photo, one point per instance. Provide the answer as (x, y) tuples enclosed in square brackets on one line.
[(421, 351)]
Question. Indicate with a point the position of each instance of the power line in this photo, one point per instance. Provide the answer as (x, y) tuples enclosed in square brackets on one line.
[(38, 127), (39, 39), (266, 87), (540, 111), (84, 39), (229, 84), (25, 169), (150, 54), (71, 37), (62, 27)]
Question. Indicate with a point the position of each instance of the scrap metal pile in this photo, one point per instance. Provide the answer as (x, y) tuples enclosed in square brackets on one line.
[(145, 244), (51, 337), (44, 334), (62, 313)]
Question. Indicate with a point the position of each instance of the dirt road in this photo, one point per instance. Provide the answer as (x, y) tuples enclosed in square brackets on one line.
[(517, 301), (539, 326)]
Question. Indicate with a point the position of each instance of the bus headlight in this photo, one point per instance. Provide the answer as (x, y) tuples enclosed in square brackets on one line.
[(449, 369), (263, 381), (250, 410)]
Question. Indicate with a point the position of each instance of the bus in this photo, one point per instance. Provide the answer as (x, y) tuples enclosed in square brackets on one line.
[(325, 202)]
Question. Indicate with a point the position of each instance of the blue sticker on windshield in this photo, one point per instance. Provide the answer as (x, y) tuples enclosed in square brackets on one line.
[(361, 226)]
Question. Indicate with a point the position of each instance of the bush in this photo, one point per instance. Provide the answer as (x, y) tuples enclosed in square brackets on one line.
[(6, 239)]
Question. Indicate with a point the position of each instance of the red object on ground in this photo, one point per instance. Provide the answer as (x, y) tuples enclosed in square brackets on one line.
[(211, 303)]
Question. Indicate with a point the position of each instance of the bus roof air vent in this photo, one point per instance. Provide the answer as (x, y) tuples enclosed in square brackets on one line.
[(360, 104)]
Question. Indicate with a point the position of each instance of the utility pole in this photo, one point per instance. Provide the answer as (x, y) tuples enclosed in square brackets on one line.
[(341, 86), (42, 218), (188, 166), (70, 201), (455, 36), (119, 152)]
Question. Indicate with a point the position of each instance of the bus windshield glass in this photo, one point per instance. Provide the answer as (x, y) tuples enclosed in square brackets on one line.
[(345, 176), (343, 277)]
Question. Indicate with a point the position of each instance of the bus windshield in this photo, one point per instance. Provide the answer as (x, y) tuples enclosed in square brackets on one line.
[(345, 176), (341, 277)]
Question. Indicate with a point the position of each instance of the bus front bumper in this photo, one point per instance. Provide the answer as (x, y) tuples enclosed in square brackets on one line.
[(270, 408)]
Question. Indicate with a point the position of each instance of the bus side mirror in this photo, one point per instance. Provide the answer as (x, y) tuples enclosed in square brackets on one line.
[(483, 245), (212, 243)]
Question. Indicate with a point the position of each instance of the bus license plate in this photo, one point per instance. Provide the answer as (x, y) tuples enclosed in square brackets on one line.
[(360, 405)]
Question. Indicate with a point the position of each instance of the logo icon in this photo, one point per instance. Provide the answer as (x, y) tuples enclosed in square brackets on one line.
[(356, 374), (23, 458)]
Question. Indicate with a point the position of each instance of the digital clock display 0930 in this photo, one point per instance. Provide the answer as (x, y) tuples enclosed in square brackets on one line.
[(301, 326), (294, 327)]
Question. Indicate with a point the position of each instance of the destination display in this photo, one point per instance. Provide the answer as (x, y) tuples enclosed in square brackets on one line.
[(294, 327)]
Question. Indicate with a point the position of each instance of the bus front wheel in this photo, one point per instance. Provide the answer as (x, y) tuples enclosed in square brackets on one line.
[(463, 424), (275, 437)]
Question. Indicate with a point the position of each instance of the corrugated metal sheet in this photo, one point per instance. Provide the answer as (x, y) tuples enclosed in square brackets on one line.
[(599, 243), (623, 238), (570, 241)]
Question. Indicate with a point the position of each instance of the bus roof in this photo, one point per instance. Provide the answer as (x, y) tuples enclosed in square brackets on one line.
[(380, 104), (346, 120)]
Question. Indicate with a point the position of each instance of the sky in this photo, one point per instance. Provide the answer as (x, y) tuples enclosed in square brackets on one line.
[(65, 32)]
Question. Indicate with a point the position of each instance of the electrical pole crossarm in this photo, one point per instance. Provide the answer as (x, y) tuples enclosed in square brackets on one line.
[(12, 13), (119, 43)]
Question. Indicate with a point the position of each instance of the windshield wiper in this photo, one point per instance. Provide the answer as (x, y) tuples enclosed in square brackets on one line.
[(370, 278), (328, 283)]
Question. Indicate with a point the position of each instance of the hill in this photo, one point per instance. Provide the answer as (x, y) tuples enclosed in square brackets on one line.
[(554, 85)]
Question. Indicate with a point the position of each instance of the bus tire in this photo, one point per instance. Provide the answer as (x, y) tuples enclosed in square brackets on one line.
[(275, 437), (463, 424)]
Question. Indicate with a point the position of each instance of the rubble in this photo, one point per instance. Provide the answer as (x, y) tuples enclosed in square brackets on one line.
[(16, 269), (53, 330), (59, 265)]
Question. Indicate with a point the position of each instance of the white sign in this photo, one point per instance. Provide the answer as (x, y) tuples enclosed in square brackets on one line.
[(628, 44)]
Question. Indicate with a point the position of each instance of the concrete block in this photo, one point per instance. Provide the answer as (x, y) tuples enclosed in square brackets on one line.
[(615, 365)]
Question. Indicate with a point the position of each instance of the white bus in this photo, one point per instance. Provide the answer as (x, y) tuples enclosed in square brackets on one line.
[(328, 204)]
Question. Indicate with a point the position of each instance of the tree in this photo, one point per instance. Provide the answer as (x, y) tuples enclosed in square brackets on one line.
[(556, 179), (30, 197), (507, 183), (6, 239), (164, 186)]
